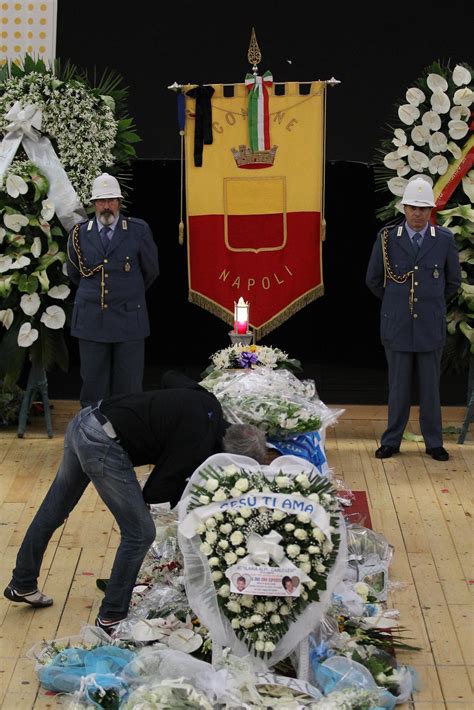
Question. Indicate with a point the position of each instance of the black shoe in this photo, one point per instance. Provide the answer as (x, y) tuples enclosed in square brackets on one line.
[(385, 451), (108, 626), (439, 453), (101, 584), (36, 598)]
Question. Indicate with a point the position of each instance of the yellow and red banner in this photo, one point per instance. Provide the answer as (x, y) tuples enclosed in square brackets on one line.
[(254, 218)]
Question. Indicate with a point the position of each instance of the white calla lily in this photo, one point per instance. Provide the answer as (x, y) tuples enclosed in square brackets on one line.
[(392, 161), (405, 150), (436, 82), (431, 120), (36, 247), (53, 317), (468, 185), (47, 211), (415, 96), (6, 318), (397, 186), (404, 170), (17, 240), (408, 114), (418, 161), (438, 165), (21, 262), (64, 269), (185, 640), (454, 149), (420, 135), (459, 113), (14, 222), (399, 207), (5, 263), (438, 142), (461, 75), (2, 234), (400, 137), (27, 335), (61, 292), (440, 102), (463, 97), (16, 186), (457, 129), (29, 303)]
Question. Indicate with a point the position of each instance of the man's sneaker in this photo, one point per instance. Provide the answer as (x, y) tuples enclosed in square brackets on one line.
[(108, 626), (36, 598)]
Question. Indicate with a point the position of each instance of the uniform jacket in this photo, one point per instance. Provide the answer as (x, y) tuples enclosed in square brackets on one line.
[(437, 276), (130, 267)]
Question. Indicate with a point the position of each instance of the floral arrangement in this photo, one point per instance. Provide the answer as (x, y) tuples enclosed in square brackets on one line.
[(167, 695), (89, 131), (348, 699), (262, 621), (249, 357), (33, 283), (431, 135), (86, 123)]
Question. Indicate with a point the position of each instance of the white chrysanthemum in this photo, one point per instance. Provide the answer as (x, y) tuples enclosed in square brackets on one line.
[(457, 129), (400, 137), (16, 186), (420, 135), (60, 292), (396, 185), (6, 318), (440, 102), (27, 335), (29, 303), (418, 161), (54, 317), (461, 75), (438, 165), (436, 82), (408, 114), (438, 142), (431, 120), (463, 97), (415, 96), (14, 222)]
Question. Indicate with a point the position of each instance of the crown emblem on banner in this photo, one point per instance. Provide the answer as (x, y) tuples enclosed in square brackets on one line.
[(246, 158)]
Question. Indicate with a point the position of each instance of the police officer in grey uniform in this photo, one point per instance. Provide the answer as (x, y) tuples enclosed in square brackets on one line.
[(414, 269), (113, 260)]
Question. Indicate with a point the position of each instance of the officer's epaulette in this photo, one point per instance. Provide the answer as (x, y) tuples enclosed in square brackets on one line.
[(136, 220)]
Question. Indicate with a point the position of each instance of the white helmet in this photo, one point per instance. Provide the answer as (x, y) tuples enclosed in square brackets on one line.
[(105, 187), (418, 193)]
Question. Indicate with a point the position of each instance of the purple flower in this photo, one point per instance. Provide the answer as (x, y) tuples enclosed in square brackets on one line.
[(247, 359)]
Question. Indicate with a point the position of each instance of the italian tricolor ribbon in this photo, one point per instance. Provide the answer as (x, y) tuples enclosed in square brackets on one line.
[(448, 182), (258, 114)]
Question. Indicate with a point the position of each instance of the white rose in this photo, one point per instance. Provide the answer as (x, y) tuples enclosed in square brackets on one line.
[(269, 646), (361, 589), (204, 499), (211, 536), (313, 549), (214, 562), (310, 584), (305, 567), (210, 523), (241, 551), (303, 558), (233, 606), (300, 534), (212, 484), (230, 558), (269, 606), (246, 623), (239, 521), (282, 481), (260, 607), (223, 544), (256, 618), (220, 495), (275, 619), (289, 527), (216, 575), (226, 528), (245, 513), (219, 516), (246, 600), (236, 538), (381, 678), (259, 645), (224, 591), (327, 547), (234, 492), (278, 515), (314, 496), (303, 480), (319, 567), (293, 550), (200, 529), (318, 534), (242, 484), (205, 548), (230, 470), (284, 610), (303, 518), (235, 623), (304, 595)]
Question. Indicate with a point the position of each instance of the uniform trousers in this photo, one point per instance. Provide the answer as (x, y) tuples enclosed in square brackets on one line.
[(401, 366), (108, 369)]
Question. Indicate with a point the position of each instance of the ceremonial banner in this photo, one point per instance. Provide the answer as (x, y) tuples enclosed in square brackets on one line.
[(255, 204)]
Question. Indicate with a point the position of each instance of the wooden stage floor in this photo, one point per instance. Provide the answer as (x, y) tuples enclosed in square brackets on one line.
[(423, 507)]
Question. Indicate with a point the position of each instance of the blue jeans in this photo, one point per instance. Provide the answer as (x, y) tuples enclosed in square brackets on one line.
[(90, 455)]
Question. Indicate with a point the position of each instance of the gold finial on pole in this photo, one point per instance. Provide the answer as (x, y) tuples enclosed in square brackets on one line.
[(254, 54)]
